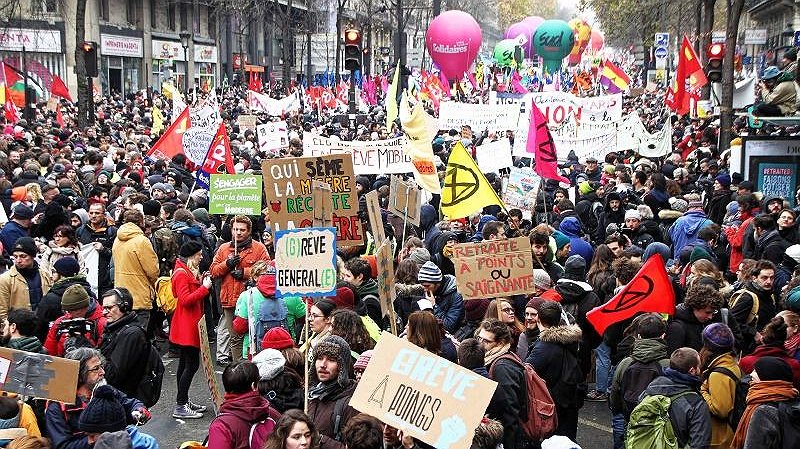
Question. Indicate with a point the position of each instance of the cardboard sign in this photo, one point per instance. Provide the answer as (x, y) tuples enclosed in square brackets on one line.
[(386, 289), (289, 194), (374, 212), (494, 268), (430, 398), (369, 157), (521, 189), (273, 137), (208, 365), (405, 200), (246, 121), (323, 204), (38, 375), (305, 262), (235, 195)]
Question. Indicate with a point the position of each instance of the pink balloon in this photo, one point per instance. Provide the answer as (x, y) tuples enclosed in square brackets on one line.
[(597, 41), (453, 40), (534, 22), (521, 28)]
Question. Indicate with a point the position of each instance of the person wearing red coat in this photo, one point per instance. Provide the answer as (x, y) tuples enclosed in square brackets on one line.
[(773, 338), (76, 303), (189, 292)]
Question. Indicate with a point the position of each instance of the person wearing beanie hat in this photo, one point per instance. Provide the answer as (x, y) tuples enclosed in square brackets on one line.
[(531, 334), (474, 312), (332, 363), (67, 267), (151, 208), (772, 408), (613, 212), (17, 227), (420, 256), (578, 298), (103, 413), (361, 364), (344, 298), (442, 291), (541, 281), (718, 338), (563, 245), (270, 363), (76, 303), (277, 338), (716, 206)]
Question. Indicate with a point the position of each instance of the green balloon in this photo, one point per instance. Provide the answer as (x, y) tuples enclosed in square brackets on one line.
[(506, 52), (553, 40)]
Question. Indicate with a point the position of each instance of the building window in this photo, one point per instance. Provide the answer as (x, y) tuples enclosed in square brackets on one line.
[(171, 17), (131, 12), (212, 22), (104, 9), (46, 6), (154, 13), (184, 17), (196, 18)]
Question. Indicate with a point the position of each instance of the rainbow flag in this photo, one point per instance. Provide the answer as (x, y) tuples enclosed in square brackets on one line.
[(613, 78)]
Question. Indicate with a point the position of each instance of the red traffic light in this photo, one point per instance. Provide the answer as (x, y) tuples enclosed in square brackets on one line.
[(716, 50), (88, 46), (352, 37)]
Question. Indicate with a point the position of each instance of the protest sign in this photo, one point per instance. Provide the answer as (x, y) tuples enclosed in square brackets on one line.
[(322, 201), (246, 121), (375, 220), (38, 375), (196, 141), (494, 268), (430, 398), (405, 200), (479, 117), (777, 180), (369, 157), (386, 290), (305, 262), (208, 365), (493, 156), (289, 194), (272, 137), (235, 195), (521, 189)]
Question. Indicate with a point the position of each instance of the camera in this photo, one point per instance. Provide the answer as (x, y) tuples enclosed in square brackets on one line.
[(76, 327)]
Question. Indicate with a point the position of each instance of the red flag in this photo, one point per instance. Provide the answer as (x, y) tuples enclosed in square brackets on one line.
[(10, 109), (649, 291), (11, 75), (219, 158), (171, 142), (445, 84), (59, 116), (688, 67), (58, 88), (541, 143)]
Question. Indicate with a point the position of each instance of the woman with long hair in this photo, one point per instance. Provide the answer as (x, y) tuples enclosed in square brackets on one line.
[(294, 430), (64, 244), (792, 344), (408, 290), (190, 288), (426, 331), (501, 309), (601, 275), (721, 374), (347, 324), (703, 270), (773, 340)]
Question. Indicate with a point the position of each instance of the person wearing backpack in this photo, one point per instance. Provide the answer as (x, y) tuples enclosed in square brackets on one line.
[(555, 359), (755, 304), (675, 392), (771, 419), (635, 372), (721, 375), (510, 402), (190, 289), (244, 414)]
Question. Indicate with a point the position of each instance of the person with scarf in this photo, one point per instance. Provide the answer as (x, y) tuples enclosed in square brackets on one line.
[(319, 322), (328, 401), (770, 391), (773, 339), (25, 283), (510, 400), (792, 343)]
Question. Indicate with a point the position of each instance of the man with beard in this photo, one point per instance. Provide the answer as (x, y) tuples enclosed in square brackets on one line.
[(19, 331), (769, 243), (543, 256), (613, 212), (328, 401), (99, 232), (124, 343)]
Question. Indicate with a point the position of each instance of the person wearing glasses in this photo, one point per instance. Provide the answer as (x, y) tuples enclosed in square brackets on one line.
[(25, 283), (502, 309), (81, 325)]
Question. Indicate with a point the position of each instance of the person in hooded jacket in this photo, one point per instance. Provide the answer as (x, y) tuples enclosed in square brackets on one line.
[(735, 233), (657, 197), (332, 363), (772, 205), (770, 395), (185, 229), (18, 331), (442, 291), (571, 227), (577, 299), (242, 407), (478, 236), (685, 229), (720, 377), (613, 212), (429, 218), (635, 230), (719, 198), (281, 385), (443, 251), (136, 265)]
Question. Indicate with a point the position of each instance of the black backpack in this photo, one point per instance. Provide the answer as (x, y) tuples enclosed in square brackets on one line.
[(789, 415), (740, 395), (149, 389), (634, 381)]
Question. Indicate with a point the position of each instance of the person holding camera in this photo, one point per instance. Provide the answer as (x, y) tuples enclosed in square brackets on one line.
[(124, 344), (778, 96), (81, 325)]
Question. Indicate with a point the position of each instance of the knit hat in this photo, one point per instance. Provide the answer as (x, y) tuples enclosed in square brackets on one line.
[(267, 283), (793, 252), (575, 268), (26, 245), (678, 204), (724, 179), (419, 256), (344, 299), (475, 309), (75, 297), (698, 252), (429, 272), (22, 212), (103, 413), (747, 185), (535, 302), (363, 360), (561, 239), (151, 208), (633, 213), (67, 266), (541, 279), (585, 187), (773, 368), (694, 201), (336, 348), (270, 363), (201, 215), (277, 338), (189, 249), (718, 337)]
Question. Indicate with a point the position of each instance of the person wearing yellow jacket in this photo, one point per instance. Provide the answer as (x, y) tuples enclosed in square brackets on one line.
[(721, 374)]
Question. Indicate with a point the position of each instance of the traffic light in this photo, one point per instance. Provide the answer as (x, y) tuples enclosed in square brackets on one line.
[(714, 54), (90, 58), (352, 50)]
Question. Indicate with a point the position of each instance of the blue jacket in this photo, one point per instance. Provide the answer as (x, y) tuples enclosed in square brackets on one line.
[(10, 233), (571, 227), (449, 305), (478, 236), (685, 229)]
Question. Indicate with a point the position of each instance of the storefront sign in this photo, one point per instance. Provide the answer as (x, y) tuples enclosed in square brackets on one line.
[(168, 50), (205, 53), (40, 41), (773, 162), (131, 47)]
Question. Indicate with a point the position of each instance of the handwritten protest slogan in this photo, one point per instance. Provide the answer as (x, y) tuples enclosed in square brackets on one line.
[(429, 397), (453, 115), (305, 261), (289, 194), (777, 179), (494, 268), (521, 189), (385, 279), (235, 195), (272, 137), (369, 157)]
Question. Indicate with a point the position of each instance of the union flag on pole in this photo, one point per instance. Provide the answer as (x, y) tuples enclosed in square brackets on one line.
[(171, 142), (689, 72), (218, 160)]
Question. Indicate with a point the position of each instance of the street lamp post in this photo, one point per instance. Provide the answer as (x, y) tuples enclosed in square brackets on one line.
[(185, 38)]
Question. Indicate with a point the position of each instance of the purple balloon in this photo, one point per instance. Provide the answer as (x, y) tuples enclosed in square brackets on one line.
[(533, 23), (524, 29)]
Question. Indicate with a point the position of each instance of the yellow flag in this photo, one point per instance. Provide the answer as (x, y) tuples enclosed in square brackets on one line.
[(420, 128), (466, 189), (158, 121), (391, 98)]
